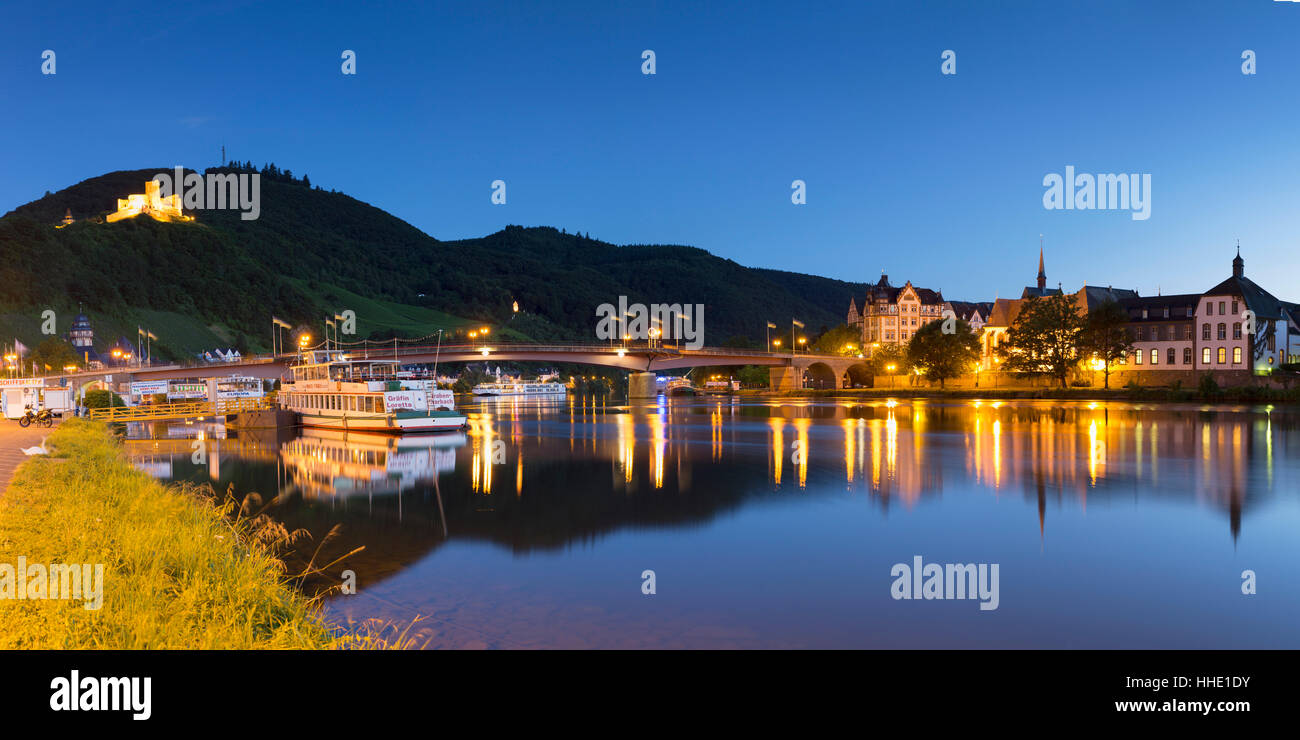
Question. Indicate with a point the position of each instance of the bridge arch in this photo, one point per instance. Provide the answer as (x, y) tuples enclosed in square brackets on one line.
[(820, 375), (857, 375)]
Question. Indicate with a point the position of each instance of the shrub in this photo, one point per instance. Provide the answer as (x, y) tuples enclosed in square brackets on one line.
[(100, 399), (1208, 387)]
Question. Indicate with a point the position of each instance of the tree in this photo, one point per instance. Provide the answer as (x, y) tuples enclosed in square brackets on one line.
[(886, 356), (52, 354), (941, 355), (842, 340), (1105, 336), (1044, 337), (753, 376)]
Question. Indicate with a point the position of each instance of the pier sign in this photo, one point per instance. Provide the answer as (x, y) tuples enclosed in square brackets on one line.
[(187, 390), (148, 387)]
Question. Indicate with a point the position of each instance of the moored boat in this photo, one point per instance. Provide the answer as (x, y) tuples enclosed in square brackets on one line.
[(330, 391), (520, 389)]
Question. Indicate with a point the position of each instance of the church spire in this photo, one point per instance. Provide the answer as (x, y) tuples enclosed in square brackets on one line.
[(1042, 275)]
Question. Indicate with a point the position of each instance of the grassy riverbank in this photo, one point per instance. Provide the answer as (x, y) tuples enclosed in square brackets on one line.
[(177, 572)]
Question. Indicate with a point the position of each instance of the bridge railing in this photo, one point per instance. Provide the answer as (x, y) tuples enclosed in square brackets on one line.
[(188, 409)]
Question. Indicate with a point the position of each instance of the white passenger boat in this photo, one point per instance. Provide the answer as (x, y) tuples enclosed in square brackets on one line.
[(520, 389), (237, 386), (331, 391)]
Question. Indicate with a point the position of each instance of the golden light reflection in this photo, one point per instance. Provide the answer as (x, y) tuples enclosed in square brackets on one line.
[(801, 427), (891, 446), (778, 447), (1096, 452), (626, 446), (715, 432), (482, 436), (997, 453), (519, 473), (875, 455), (660, 442), (850, 448)]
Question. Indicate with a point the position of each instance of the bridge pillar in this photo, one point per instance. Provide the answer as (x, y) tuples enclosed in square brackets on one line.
[(641, 385), (783, 378)]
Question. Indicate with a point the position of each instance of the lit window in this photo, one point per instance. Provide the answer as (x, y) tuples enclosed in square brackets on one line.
[(1205, 355), (1137, 357), (1155, 356), (1223, 355), (1236, 355)]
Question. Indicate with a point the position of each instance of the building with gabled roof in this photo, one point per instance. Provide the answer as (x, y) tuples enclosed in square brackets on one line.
[(1242, 326), (891, 314)]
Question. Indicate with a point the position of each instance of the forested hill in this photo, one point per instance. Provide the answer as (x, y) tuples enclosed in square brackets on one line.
[(314, 252)]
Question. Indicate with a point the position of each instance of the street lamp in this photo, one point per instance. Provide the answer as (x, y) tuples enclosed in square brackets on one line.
[(890, 367)]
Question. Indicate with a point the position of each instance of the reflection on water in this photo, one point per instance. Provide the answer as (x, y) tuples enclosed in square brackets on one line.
[(775, 523)]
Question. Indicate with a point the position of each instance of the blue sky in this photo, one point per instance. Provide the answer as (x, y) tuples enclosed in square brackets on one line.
[(936, 179)]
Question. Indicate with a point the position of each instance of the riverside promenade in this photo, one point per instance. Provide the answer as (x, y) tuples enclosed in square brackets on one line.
[(13, 439)]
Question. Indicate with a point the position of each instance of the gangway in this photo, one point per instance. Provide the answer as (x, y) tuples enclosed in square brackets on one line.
[(187, 410)]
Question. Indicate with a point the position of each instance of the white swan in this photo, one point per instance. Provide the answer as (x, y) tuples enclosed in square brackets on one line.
[(38, 450)]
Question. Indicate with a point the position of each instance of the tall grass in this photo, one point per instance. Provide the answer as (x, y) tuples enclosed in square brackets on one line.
[(179, 571)]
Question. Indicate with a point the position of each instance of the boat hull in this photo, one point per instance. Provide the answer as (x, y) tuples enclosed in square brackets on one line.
[(400, 424)]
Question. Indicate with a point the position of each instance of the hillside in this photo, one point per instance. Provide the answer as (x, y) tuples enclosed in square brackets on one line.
[(314, 252)]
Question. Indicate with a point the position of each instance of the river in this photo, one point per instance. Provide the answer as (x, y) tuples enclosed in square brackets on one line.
[(783, 523)]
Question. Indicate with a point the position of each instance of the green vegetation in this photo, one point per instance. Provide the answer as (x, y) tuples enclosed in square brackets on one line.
[(52, 354), (313, 252), (180, 571), (841, 340), (1044, 338), (1106, 337), (100, 398), (941, 355), (177, 574)]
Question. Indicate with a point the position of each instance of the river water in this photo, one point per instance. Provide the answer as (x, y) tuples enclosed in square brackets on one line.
[(783, 523)]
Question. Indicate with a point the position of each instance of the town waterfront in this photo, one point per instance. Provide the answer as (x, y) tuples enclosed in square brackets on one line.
[(776, 522)]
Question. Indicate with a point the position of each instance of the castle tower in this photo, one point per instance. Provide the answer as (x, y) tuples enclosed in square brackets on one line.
[(1042, 275)]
